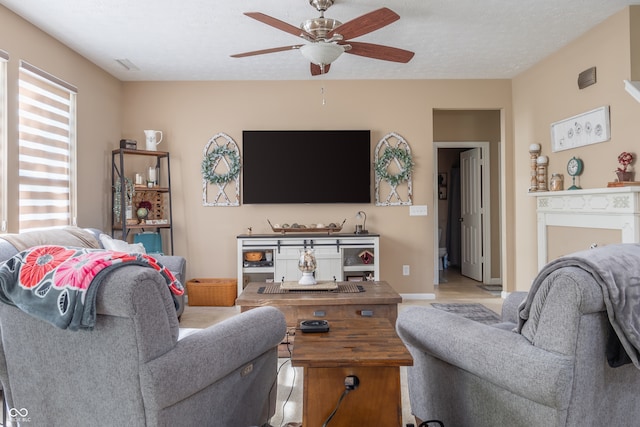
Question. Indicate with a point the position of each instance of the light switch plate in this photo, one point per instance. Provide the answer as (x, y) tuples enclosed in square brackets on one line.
[(418, 210)]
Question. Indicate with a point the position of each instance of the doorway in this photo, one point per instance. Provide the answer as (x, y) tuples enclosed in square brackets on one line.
[(462, 223), (455, 131)]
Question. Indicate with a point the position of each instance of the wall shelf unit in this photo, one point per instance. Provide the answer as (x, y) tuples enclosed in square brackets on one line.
[(123, 168)]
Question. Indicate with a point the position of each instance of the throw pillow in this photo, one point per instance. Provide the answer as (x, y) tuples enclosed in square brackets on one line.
[(112, 244)]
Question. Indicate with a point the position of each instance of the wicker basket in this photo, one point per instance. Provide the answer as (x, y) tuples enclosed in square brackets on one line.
[(219, 292), (154, 197)]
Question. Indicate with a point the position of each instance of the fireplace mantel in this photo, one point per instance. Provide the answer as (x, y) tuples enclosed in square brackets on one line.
[(616, 208)]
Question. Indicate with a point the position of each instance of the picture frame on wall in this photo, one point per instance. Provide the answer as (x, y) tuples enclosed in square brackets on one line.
[(442, 193), (442, 186)]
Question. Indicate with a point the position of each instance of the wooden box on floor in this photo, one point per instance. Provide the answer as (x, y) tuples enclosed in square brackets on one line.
[(218, 292)]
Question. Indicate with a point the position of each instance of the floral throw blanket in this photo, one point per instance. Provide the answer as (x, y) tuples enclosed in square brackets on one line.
[(59, 284)]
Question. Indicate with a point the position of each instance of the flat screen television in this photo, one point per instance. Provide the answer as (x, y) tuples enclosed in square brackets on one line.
[(306, 166)]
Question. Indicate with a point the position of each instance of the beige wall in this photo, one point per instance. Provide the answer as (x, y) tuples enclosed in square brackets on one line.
[(99, 118), (191, 112), (548, 92), (566, 240)]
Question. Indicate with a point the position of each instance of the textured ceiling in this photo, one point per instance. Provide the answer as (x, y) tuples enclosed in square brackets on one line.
[(192, 39)]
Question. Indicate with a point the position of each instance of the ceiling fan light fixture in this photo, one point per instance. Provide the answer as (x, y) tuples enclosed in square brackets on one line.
[(321, 53)]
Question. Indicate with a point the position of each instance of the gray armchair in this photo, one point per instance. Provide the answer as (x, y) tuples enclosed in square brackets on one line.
[(86, 238), (470, 374), (132, 370)]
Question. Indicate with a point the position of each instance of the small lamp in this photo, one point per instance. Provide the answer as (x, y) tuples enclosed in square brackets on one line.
[(361, 229)]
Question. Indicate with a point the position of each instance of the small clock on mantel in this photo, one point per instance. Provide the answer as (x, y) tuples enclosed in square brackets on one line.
[(574, 168)]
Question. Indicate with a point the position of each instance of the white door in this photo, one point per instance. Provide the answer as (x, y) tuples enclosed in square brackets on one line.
[(471, 213)]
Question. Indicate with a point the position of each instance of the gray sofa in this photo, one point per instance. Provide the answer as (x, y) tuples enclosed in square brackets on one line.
[(470, 374), (132, 370)]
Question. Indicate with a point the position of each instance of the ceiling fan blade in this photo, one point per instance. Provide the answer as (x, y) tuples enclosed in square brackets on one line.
[(316, 70), (365, 24), (280, 25), (377, 51), (263, 51)]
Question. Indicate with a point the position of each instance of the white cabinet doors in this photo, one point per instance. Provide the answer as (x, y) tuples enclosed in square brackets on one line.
[(329, 262)]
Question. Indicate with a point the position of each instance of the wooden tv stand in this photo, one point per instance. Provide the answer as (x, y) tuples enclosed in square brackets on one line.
[(337, 255)]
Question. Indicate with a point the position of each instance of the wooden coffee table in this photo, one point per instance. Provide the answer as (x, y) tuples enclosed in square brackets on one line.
[(371, 350), (378, 300)]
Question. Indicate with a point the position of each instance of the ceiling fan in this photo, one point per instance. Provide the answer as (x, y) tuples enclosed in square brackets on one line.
[(328, 38)]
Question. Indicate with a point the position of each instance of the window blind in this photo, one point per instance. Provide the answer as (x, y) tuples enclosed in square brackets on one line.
[(4, 57), (46, 150)]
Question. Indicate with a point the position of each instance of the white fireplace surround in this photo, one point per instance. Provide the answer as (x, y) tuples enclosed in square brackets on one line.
[(616, 208)]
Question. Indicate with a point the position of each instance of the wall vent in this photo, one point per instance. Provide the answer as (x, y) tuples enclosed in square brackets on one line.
[(587, 78)]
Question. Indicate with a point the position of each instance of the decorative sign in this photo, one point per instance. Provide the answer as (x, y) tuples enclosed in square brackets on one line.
[(587, 128)]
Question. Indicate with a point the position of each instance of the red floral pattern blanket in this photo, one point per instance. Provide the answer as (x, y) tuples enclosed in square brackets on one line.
[(59, 284)]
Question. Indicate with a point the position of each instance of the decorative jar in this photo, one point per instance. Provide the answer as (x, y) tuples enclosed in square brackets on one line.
[(557, 182)]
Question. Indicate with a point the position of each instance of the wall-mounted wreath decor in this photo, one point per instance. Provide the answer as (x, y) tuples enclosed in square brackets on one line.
[(221, 168), (393, 166), (212, 158)]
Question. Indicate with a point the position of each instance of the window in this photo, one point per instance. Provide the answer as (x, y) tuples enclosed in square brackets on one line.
[(46, 150), (4, 57)]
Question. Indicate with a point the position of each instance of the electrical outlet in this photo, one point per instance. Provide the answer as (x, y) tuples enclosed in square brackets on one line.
[(406, 270), (418, 210), (351, 382)]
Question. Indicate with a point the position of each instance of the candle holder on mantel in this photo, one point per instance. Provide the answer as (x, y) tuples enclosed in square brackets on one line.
[(543, 162), (534, 152)]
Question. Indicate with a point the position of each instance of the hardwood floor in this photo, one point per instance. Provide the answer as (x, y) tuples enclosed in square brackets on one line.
[(464, 290), (457, 289)]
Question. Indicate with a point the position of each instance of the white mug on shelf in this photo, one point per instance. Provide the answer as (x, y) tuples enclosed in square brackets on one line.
[(152, 140)]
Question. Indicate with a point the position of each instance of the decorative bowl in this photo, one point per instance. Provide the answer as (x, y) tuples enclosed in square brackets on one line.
[(253, 256), (311, 228)]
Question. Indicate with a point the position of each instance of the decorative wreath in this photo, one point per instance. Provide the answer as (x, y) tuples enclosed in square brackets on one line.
[(403, 157), (212, 159)]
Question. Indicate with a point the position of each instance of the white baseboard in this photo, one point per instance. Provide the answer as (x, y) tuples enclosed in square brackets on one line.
[(418, 296)]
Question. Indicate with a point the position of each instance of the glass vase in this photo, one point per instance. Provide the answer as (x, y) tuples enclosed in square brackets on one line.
[(557, 182)]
